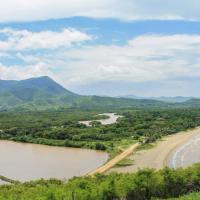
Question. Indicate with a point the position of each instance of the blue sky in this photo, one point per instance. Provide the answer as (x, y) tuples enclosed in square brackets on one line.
[(144, 48)]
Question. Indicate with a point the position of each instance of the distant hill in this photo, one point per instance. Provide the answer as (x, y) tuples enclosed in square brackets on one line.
[(111, 102), (44, 93), (195, 103), (177, 99)]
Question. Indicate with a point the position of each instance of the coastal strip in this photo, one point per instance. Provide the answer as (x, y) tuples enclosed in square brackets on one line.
[(186, 154), (182, 143), (160, 155)]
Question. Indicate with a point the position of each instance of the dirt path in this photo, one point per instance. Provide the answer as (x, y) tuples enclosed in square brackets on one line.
[(115, 160), (159, 156)]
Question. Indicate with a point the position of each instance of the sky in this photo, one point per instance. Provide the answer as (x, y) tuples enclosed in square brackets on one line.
[(104, 47)]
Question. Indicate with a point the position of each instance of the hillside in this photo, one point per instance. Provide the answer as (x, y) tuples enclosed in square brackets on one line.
[(112, 103), (43, 92), (192, 103), (177, 99)]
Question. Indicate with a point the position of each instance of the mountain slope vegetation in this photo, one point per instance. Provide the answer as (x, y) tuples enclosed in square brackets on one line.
[(42, 93)]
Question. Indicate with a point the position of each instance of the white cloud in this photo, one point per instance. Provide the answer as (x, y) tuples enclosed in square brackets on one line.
[(18, 72), (23, 10), (145, 58), (19, 40)]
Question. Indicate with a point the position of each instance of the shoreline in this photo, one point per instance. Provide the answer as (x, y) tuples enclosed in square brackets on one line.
[(173, 150), (158, 156), (168, 158)]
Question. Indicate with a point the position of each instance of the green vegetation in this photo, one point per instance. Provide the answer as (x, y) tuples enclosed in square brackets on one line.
[(44, 93), (192, 196), (35, 93), (146, 146), (143, 185), (125, 162), (62, 128), (24, 117)]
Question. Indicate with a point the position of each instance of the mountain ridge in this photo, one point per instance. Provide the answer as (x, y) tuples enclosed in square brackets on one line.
[(40, 93), (42, 81), (168, 99)]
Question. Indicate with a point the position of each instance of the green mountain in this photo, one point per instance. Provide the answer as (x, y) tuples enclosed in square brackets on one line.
[(44, 93), (39, 92)]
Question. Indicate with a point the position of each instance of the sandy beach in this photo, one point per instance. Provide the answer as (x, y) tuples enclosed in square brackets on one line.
[(160, 155)]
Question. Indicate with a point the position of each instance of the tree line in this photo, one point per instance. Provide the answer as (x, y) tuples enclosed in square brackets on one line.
[(62, 128)]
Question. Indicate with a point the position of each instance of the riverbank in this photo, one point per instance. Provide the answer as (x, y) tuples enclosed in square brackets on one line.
[(160, 155)]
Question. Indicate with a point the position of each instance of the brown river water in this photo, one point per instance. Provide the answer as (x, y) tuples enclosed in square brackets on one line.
[(26, 162)]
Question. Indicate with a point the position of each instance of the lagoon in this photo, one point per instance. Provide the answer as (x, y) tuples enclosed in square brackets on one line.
[(24, 162)]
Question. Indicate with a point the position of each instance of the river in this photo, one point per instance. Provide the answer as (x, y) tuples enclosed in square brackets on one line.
[(3, 182), (112, 119), (24, 162)]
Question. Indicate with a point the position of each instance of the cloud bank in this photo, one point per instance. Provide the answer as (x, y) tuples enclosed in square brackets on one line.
[(23, 10), (143, 59)]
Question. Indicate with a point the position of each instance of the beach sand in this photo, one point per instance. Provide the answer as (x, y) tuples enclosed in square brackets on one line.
[(160, 155)]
